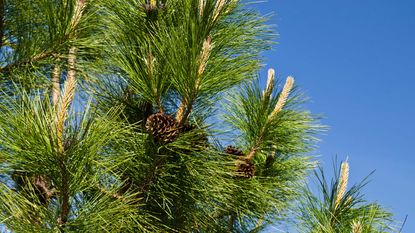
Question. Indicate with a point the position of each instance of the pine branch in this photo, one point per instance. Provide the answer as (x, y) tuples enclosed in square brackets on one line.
[(186, 105), (203, 59), (78, 11), (278, 107), (70, 83), (67, 98), (181, 110)]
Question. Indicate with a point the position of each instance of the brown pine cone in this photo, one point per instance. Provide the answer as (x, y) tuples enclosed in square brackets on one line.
[(163, 127), (233, 151), (245, 168)]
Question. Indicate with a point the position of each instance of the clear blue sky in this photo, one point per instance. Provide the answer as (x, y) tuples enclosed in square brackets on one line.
[(356, 60)]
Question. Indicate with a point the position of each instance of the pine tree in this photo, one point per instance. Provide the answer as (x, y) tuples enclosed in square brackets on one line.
[(145, 116)]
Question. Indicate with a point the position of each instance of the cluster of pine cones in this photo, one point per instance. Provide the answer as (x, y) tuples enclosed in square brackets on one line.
[(165, 129), (244, 167)]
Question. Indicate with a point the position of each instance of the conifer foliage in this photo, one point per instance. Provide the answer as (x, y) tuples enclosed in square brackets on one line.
[(145, 116)]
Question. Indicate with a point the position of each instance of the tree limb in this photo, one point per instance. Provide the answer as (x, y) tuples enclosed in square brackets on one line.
[(186, 106)]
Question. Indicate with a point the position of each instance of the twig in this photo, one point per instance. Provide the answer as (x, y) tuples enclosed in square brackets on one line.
[(67, 98)]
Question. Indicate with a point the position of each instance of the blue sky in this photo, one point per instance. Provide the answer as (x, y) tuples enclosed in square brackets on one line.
[(356, 60)]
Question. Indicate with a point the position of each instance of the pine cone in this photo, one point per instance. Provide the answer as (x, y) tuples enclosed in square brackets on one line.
[(163, 127), (233, 151), (43, 188), (245, 168), (41, 185)]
